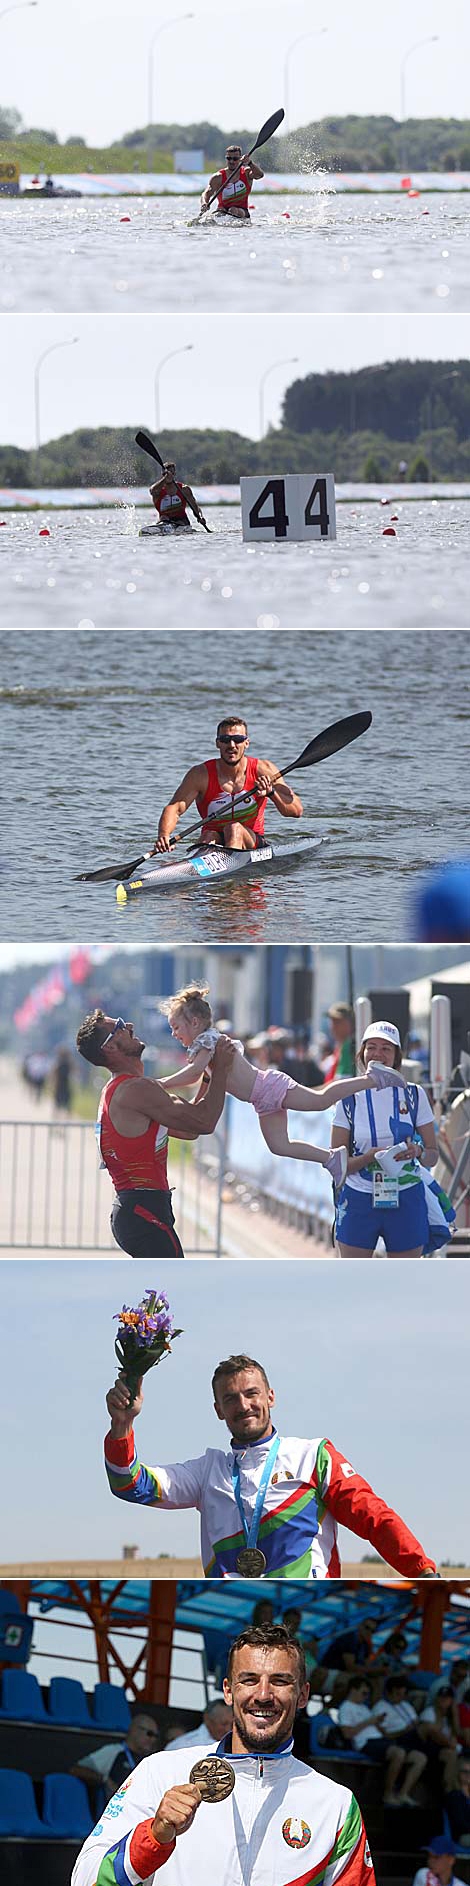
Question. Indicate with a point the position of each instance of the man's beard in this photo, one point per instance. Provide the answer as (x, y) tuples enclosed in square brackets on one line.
[(250, 1439), (254, 1742)]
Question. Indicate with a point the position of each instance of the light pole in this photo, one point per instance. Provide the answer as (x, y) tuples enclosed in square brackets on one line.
[(316, 33), (291, 362), (162, 363), (163, 28), (37, 372), (18, 6), (430, 40)]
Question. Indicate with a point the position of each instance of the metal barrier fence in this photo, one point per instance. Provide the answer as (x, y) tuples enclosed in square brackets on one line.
[(53, 1196)]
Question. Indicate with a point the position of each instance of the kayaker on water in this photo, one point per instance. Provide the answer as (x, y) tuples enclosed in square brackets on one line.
[(172, 499), (233, 198), (213, 783)]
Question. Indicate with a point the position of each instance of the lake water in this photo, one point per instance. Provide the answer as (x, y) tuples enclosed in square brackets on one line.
[(312, 253), (93, 570), (96, 732)]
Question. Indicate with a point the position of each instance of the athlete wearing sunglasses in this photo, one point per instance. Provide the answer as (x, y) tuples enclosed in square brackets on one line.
[(212, 786)]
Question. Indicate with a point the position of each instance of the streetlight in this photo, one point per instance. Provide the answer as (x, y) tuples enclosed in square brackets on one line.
[(162, 363), (17, 7), (163, 28), (430, 40), (291, 362), (316, 33), (42, 357)]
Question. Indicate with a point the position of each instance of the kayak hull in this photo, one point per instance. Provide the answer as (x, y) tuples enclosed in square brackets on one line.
[(165, 529), (215, 865)]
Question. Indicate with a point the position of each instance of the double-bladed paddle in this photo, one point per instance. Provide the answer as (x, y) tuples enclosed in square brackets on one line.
[(322, 747), (267, 132), (146, 445)]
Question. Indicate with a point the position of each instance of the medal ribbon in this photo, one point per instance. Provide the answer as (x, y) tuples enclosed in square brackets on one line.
[(251, 1530)]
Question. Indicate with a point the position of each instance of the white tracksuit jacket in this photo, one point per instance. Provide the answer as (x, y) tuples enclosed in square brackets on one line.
[(283, 1825)]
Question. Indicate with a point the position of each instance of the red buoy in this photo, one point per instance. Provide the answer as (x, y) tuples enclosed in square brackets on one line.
[(124, 219), (44, 532), (389, 531)]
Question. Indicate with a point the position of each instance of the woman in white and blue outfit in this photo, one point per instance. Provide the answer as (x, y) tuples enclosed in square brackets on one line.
[(384, 1197)]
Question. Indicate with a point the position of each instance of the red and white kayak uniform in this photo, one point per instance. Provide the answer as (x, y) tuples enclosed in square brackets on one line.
[(234, 195), (171, 505), (133, 1164), (216, 800), (312, 1489), (283, 1825)]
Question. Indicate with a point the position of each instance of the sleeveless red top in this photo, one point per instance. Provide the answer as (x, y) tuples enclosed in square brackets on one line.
[(237, 193), (132, 1163), (171, 504), (216, 798)]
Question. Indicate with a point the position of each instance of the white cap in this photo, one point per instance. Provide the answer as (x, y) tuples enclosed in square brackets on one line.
[(382, 1031)]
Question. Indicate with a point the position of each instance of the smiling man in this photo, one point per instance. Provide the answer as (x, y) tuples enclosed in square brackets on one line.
[(270, 1504), (212, 786), (135, 1119), (266, 1807)]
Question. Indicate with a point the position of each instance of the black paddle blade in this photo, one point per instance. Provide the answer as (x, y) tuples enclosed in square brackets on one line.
[(333, 739), (146, 445), (110, 871), (268, 129)]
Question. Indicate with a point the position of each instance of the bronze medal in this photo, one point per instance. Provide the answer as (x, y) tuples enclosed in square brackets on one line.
[(251, 1562), (214, 1778)]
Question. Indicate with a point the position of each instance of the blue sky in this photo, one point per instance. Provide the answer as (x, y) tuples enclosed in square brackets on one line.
[(83, 67), (375, 1357)]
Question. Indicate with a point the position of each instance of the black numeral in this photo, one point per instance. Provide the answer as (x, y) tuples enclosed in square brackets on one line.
[(321, 516), (274, 489)]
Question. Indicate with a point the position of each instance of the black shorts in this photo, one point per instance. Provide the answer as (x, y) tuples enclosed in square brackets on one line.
[(142, 1223)]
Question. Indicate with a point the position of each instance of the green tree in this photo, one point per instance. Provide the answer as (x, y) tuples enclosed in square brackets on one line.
[(372, 472), (419, 473)]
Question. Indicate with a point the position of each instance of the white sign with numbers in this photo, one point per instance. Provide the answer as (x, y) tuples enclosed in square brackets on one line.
[(297, 509)]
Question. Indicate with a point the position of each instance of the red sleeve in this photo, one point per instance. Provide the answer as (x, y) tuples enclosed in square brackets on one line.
[(145, 1851), (359, 1869), (352, 1501)]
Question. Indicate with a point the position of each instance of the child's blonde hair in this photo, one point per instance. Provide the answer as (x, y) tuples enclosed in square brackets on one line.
[(193, 999)]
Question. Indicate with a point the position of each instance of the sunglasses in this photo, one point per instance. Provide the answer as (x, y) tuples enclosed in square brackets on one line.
[(114, 1031), (232, 739)]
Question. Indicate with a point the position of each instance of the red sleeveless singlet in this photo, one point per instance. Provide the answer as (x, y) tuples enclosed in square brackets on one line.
[(133, 1164), (215, 798)]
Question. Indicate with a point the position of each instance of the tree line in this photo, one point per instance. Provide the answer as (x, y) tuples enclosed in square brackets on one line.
[(349, 143)]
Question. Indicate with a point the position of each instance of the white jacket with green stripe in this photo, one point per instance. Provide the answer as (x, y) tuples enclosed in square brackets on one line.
[(312, 1487), (283, 1825)]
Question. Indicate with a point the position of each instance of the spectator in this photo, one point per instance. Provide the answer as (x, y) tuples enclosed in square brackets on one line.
[(459, 1678), (397, 1718), (349, 1655), (216, 1722), (317, 1675), (394, 1648), (342, 1063), (358, 1727), (263, 1612), (62, 1081), (440, 1864), (457, 1804), (461, 1718), (437, 1722), (109, 1765)]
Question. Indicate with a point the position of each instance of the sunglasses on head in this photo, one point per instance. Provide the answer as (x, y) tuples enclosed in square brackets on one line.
[(114, 1031)]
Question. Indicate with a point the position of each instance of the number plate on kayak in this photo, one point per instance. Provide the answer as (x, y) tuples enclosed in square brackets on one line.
[(208, 867)]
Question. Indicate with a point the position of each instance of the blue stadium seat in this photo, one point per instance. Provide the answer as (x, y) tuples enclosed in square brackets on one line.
[(68, 1703), (110, 1708), (66, 1808), (16, 1630), (321, 1749), (18, 1811), (21, 1697)]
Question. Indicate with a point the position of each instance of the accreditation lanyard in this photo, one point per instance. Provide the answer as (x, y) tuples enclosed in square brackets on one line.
[(385, 1192), (251, 1531), (370, 1110)]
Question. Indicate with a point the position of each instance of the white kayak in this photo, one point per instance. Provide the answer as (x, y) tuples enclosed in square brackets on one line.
[(165, 529), (214, 864)]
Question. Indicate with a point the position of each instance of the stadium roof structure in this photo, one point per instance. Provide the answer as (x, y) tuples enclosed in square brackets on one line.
[(434, 1613)]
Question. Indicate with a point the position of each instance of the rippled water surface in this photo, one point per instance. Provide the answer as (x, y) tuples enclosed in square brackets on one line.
[(93, 570), (96, 732), (358, 254)]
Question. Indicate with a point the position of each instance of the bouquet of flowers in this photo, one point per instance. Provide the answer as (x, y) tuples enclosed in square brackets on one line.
[(144, 1336)]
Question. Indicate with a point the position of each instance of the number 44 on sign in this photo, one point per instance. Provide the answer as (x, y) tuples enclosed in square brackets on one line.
[(299, 508)]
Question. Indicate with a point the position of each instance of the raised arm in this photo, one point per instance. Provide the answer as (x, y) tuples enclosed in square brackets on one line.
[(171, 1487), (189, 1074), (185, 1119), (194, 782)]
